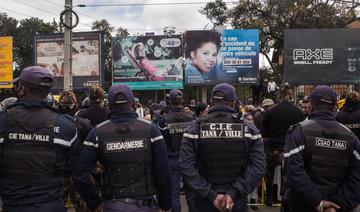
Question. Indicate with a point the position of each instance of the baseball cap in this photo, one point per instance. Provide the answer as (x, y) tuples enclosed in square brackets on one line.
[(228, 91), (36, 75), (323, 93), (267, 102), (175, 94), (120, 89)]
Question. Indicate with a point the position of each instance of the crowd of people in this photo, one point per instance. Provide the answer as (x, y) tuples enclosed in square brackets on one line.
[(111, 153)]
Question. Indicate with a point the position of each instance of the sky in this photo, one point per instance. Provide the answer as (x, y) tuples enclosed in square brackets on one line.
[(136, 19), (144, 18)]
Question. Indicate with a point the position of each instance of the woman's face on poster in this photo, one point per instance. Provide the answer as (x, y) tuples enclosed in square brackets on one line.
[(204, 58)]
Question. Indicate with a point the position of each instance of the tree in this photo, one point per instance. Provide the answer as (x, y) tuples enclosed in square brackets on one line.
[(272, 17), (169, 30), (122, 32), (23, 39), (105, 27), (7, 25)]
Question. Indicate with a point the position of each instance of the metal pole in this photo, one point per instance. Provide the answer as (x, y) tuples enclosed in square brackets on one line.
[(68, 82), (156, 97), (204, 94)]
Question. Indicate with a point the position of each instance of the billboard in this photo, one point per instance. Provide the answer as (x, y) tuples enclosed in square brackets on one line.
[(148, 62), (230, 56), (6, 62), (322, 56), (87, 58)]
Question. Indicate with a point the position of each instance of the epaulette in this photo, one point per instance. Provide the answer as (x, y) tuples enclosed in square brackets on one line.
[(292, 128)]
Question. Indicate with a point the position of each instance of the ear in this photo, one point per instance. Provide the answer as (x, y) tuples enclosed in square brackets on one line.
[(192, 54), (133, 105), (335, 108)]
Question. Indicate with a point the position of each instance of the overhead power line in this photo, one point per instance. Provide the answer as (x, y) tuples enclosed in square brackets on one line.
[(149, 4), (38, 8), (52, 13), (62, 6), (16, 12)]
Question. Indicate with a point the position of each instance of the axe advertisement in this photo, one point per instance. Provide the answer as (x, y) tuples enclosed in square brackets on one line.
[(322, 56)]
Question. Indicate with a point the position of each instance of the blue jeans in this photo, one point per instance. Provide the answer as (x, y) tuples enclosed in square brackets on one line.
[(53, 206), (175, 184)]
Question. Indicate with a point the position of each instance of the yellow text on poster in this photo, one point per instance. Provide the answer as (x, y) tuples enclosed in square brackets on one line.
[(6, 62)]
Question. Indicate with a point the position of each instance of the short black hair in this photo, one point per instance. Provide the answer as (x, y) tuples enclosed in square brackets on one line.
[(199, 108), (195, 39)]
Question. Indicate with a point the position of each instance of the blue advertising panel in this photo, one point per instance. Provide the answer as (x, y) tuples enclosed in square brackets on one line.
[(230, 56), (148, 62), (87, 58)]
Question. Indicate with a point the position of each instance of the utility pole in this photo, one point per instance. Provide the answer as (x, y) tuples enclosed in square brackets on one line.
[(68, 80)]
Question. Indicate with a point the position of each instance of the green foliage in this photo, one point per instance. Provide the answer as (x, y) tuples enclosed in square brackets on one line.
[(7, 25), (216, 11), (23, 33), (169, 30), (122, 32), (107, 29), (23, 38), (272, 17)]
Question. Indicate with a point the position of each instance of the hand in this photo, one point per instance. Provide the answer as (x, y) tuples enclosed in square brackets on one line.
[(218, 202), (326, 206), (227, 203), (331, 209), (330, 206)]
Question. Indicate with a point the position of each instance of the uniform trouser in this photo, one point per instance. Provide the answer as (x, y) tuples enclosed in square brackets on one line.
[(190, 196), (273, 159), (202, 205), (117, 206), (53, 206), (175, 184)]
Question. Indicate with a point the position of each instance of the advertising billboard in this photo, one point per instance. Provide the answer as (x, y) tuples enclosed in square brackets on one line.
[(87, 62), (6, 62), (148, 62), (230, 56), (322, 56)]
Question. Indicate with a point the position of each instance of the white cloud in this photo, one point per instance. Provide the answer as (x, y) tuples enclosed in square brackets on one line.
[(134, 18)]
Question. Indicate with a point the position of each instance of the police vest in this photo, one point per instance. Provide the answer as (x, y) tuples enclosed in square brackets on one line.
[(352, 121), (328, 147), (177, 123), (223, 151), (29, 153), (125, 149)]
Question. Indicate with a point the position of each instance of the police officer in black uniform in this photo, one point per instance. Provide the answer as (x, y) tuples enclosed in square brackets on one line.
[(322, 160), (222, 156), (68, 105), (134, 156), (349, 115), (173, 125), (34, 141)]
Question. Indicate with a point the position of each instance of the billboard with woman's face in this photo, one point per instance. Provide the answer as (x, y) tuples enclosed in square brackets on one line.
[(148, 62), (230, 56)]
